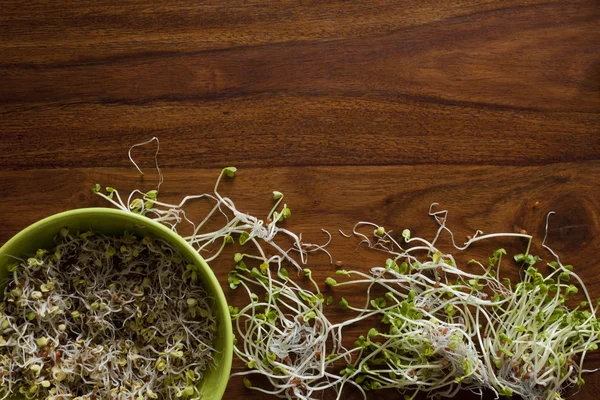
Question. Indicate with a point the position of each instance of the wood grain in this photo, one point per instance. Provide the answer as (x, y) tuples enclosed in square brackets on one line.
[(397, 197), (366, 110), (480, 82)]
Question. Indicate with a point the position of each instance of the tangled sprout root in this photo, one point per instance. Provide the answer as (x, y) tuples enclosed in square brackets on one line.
[(447, 329)]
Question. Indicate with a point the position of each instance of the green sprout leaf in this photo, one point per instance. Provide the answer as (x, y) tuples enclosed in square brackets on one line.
[(526, 258), (378, 303), (233, 279), (505, 338), (152, 194), (136, 204), (244, 236), (230, 171), (344, 303), (571, 290), (283, 274), (475, 284), (342, 272), (330, 281), (437, 256), (406, 235), (188, 391), (264, 267), (411, 295), (496, 256), (565, 276), (111, 191)]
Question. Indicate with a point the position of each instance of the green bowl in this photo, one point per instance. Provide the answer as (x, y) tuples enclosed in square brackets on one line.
[(115, 222)]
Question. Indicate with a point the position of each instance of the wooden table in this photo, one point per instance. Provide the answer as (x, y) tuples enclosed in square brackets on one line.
[(356, 111)]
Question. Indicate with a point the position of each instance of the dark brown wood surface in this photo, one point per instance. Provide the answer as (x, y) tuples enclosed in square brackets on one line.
[(355, 110)]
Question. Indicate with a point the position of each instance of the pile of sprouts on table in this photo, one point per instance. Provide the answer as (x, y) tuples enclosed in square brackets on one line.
[(101, 317), (449, 329), (445, 328)]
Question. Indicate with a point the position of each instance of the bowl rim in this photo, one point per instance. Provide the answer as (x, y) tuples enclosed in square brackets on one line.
[(209, 276)]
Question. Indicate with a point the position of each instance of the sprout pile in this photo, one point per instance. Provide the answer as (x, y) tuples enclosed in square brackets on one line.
[(101, 317), (441, 327), (286, 335), (449, 329)]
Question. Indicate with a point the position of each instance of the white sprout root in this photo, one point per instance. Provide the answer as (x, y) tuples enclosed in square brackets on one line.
[(101, 317)]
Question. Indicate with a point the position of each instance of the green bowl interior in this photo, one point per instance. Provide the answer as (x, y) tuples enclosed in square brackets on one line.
[(114, 222)]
